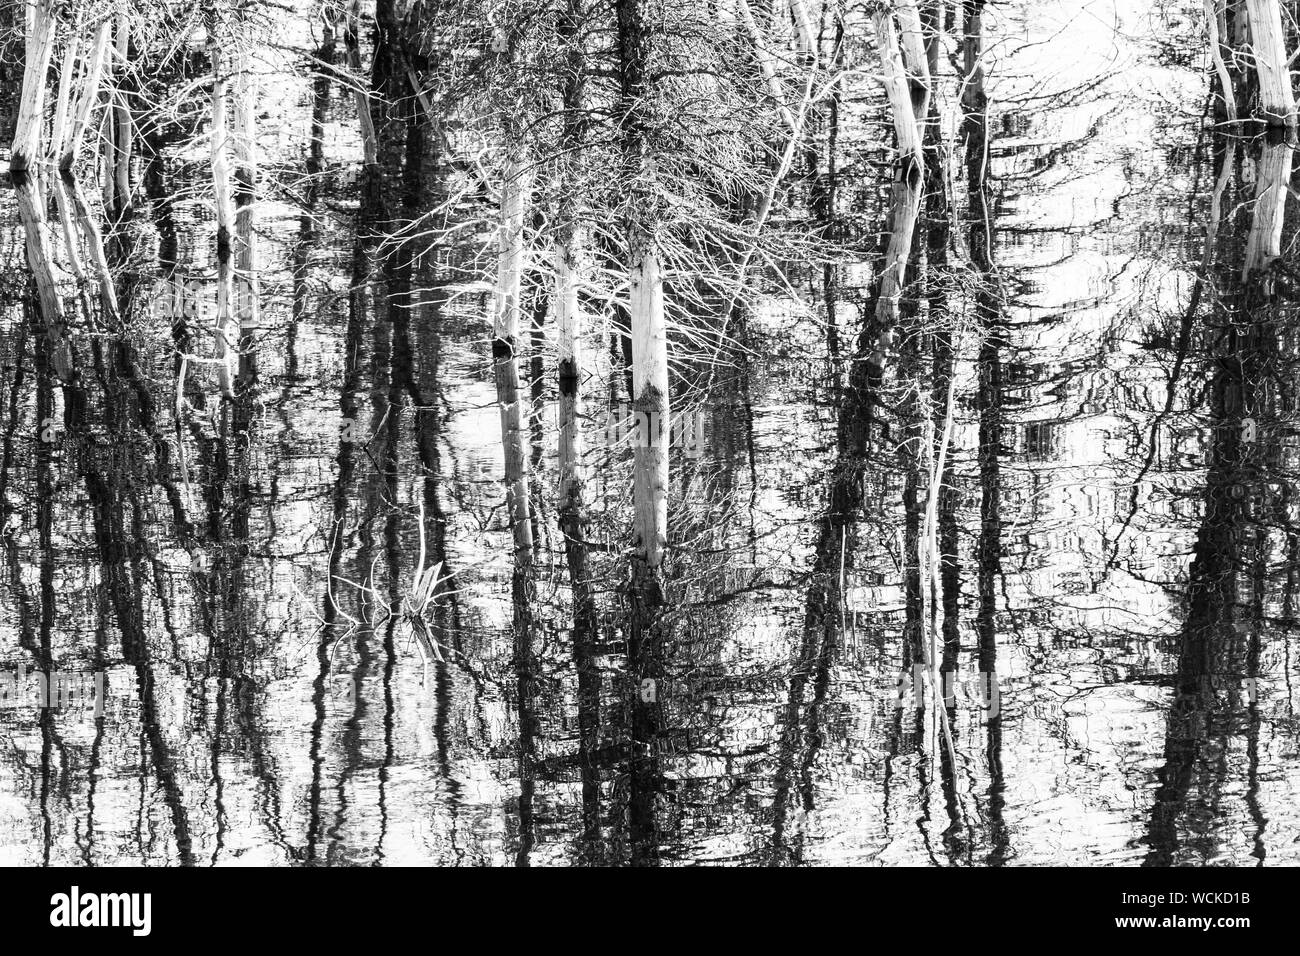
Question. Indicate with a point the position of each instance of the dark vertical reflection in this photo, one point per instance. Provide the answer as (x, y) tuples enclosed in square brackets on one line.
[(1214, 710), (989, 402), (803, 713), (114, 479), (936, 283), (312, 182), (823, 162), (911, 464), (644, 706), (802, 728), (44, 526), (371, 214), (557, 701), (573, 520)]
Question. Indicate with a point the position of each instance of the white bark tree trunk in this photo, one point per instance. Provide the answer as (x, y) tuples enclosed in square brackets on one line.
[(58, 132), (67, 146), (766, 63), (123, 125), (1264, 242), (1228, 93), (67, 75), (506, 329), (87, 97), (650, 404), (510, 252), (24, 156), (915, 60), (1267, 41), (905, 204), (894, 78), (804, 27), (26, 148), (369, 142)]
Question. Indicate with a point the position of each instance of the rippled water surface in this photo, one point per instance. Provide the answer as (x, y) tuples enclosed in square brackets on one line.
[(1131, 596)]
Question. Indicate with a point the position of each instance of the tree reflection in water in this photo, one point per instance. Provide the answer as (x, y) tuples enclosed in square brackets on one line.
[(995, 367)]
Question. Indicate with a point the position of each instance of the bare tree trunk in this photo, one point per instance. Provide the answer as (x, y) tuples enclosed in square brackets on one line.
[(24, 154), (67, 74), (570, 372), (123, 127), (106, 143), (246, 263), (226, 325), (989, 397), (1267, 41), (95, 243), (646, 651), (514, 434), (766, 63), (915, 56), (894, 76), (905, 204), (650, 403), (88, 96), (1215, 21), (938, 213), (571, 366), (650, 398), (68, 147), (804, 26), (1235, 32), (1264, 242), (369, 142), (567, 317)]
